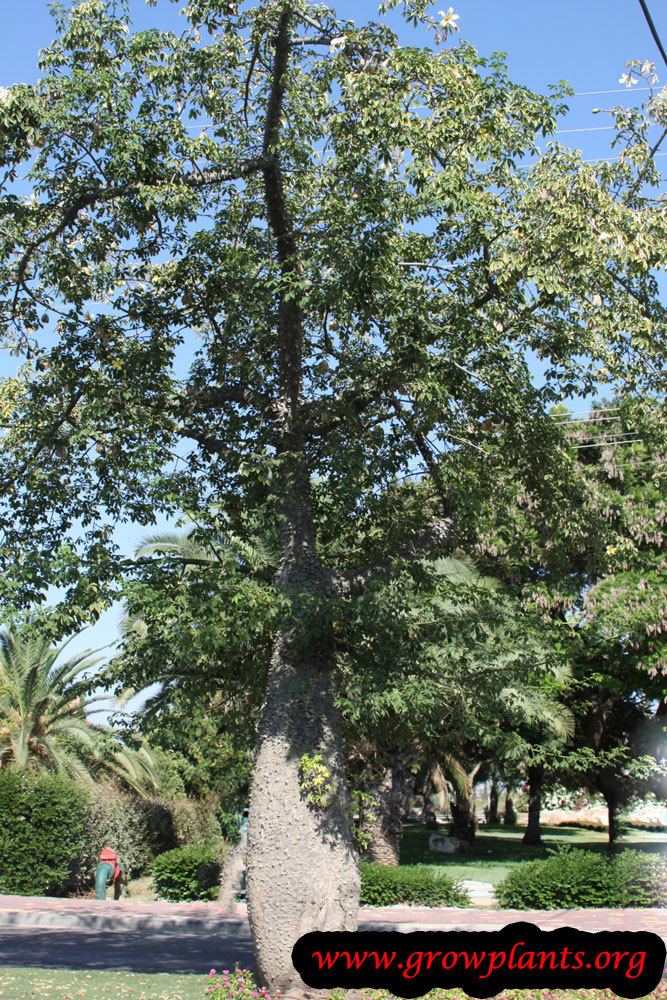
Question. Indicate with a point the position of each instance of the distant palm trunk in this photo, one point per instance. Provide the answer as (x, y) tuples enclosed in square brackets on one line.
[(493, 803), (535, 783), (509, 818), (435, 796), (464, 821), (384, 825)]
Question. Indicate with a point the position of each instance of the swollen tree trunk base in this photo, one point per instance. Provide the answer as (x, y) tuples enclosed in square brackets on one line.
[(302, 870)]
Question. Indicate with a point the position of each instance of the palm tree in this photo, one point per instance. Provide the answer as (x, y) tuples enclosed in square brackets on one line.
[(256, 555), (45, 710)]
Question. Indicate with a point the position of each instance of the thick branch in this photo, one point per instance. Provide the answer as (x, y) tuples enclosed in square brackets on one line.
[(436, 536), (103, 194)]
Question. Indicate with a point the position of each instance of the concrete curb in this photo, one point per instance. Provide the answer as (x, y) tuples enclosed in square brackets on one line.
[(22, 920)]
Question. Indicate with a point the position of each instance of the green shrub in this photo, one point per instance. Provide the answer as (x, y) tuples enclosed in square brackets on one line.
[(195, 822), (159, 826), (411, 884), (573, 878), (42, 832), (118, 820), (182, 822), (187, 873)]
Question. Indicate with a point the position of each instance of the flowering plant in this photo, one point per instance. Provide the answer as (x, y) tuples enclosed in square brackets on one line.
[(239, 984)]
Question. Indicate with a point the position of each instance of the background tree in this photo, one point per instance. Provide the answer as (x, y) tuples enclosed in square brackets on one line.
[(45, 714), (416, 655), (373, 278), (600, 583)]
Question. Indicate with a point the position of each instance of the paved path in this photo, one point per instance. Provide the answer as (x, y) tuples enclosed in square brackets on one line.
[(194, 937)]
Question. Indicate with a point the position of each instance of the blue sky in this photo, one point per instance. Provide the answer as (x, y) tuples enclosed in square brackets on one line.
[(586, 43)]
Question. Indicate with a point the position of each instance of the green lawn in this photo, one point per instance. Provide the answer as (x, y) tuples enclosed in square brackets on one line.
[(498, 849), (64, 984)]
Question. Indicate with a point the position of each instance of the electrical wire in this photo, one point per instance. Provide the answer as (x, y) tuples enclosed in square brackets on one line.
[(619, 90), (653, 30)]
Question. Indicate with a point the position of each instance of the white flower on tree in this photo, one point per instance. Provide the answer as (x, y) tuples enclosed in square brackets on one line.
[(448, 19)]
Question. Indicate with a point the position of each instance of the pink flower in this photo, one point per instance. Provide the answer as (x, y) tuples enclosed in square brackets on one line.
[(211, 973)]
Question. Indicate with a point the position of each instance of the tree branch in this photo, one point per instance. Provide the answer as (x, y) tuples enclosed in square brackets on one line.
[(104, 194), (435, 536)]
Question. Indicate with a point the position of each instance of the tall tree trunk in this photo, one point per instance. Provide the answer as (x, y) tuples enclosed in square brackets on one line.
[(464, 821), (493, 803), (533, 834), (302, 871), (384, 824), (509, 818)]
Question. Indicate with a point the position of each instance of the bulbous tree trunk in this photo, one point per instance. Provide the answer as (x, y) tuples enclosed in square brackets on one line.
[(302, 870), (533, 834), (384, 824), (493, 803)]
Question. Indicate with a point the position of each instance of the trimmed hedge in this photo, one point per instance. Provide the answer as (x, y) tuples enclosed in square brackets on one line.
[(573, 878), (417, 885), (187, 873), (42, 833)]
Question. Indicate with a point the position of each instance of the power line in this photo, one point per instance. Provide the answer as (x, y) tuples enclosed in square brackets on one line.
[(618, 90), (653, 30), (594, 128), (608, 444), (612, 159)]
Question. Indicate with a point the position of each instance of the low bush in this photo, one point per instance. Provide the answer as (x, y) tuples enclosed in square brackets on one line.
[(417, 885), (195, 822), (237, 985), (187, 873), (573, 878), (42, 833)]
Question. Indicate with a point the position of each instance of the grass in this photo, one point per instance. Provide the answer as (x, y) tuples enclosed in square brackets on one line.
[(35, 984), (498, 849), (65, 984), (141, 890)]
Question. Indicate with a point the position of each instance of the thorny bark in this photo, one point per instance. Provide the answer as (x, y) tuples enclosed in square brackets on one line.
[(302, 871)]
